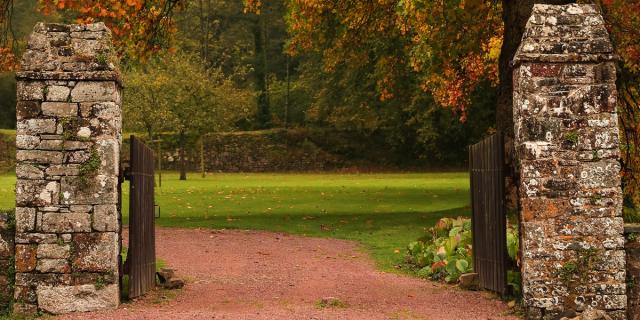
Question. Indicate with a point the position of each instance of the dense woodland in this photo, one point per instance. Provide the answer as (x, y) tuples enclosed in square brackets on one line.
[(425, 78)]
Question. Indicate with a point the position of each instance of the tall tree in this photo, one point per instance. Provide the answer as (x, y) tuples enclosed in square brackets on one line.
[(179, 95)]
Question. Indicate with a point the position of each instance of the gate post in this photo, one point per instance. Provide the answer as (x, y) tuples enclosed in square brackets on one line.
[(567, 144), (68, 149)]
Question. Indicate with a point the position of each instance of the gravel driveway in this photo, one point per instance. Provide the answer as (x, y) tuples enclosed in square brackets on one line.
[(234, 274)]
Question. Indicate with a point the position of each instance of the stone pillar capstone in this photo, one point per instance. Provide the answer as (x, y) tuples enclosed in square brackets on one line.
[(68, 145), (567, 140)]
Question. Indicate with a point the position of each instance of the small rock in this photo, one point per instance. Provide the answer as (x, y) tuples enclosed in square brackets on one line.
[(469, 281), (167, 279), (174, 284)]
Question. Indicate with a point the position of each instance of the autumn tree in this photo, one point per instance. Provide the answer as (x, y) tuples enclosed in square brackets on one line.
[(452, 47)]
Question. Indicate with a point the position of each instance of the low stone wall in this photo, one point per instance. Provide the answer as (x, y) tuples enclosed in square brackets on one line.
[(261, 151), (632, 248), (7, 255)]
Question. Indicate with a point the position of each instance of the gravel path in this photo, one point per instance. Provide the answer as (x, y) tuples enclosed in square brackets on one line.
[(264, 275)]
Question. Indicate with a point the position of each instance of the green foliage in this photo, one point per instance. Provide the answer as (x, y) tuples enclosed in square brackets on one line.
[(575, 271), (446, 253), (173, 92), (631, 215), (514, 280), (89, 168), (331, 303), (567, 271), (571, 138), (102, 59), (7, 100), (513, 242), (100, 283)]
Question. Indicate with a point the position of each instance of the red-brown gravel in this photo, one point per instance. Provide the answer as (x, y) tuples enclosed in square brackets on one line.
[(263, 275)]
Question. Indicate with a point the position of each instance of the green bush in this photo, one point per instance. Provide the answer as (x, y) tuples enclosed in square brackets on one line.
[(446, 252)]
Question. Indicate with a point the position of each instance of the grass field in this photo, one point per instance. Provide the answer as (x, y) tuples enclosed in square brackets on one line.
[(382, 211)]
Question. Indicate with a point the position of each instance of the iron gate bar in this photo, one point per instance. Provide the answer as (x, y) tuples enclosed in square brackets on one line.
[(141, 258), (488, 219)]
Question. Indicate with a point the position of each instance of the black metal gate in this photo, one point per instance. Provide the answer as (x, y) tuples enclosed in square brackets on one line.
[(141, 256), (486, 166)]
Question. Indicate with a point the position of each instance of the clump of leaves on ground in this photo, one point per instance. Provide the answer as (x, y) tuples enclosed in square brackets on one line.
[(445, 252)]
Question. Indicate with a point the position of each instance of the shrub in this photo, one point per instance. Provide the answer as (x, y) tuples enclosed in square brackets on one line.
[(446, 252)]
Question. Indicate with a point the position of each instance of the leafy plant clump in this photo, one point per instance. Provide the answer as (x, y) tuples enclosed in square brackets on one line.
[(102, 59), (571, 138), (446, 252), (90, 167)]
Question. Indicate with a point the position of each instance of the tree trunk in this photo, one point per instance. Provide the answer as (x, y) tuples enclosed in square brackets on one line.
[(202, 171), (183, 164), (263, 116), (286, 101)]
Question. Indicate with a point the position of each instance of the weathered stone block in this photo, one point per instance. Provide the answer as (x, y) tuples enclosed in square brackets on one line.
[(46, 279), (25, 257), (83, 298), (60, 109), (39, 156), (25, 219), (53, 251), (51, 145), (6, 249), (56, 222), (27, 142), (53, 266), (36, 126), (27, 109), (77, 156), (109, 151), (58, 93), (100, 189), (601, 174), (36, 193), (81, 208), (25, 238), (25, 294), (30, 90), (63, 170), (105, 218), (98, 91), (95, 252), (28, 171), (77, 145)]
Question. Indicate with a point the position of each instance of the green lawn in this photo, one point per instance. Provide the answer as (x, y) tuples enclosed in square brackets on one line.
[(382, 211)]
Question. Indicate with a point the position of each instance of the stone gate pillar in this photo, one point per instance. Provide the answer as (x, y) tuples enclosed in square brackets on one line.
[(567, 144), (68, 142)]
